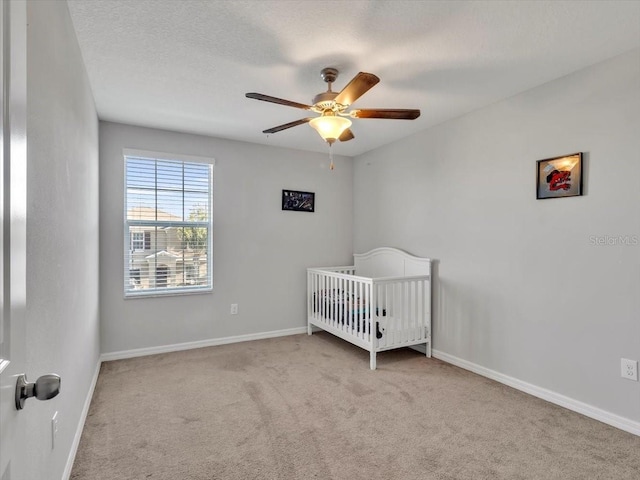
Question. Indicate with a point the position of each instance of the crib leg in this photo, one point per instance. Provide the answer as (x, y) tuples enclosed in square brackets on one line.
[(428, 349), (372, 360), (309, 329)]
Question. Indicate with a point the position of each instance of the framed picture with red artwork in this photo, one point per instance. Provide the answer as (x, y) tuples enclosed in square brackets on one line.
[(559, 176)]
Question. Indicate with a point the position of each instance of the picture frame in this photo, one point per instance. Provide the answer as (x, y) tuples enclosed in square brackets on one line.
[(298, 201), (559, 177)]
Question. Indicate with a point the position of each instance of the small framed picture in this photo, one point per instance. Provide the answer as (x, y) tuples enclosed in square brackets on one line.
[(298, 201), (559, 176)]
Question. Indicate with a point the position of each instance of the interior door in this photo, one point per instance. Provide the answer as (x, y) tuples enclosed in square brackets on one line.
[(13, 202)]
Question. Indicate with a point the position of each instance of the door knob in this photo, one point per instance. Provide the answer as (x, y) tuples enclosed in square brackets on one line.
[(45, 388)]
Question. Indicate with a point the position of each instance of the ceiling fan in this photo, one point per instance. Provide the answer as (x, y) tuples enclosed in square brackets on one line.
[(332, 107)]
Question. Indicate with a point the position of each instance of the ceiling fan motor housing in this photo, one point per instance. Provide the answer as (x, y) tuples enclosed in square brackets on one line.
[(325, 100)]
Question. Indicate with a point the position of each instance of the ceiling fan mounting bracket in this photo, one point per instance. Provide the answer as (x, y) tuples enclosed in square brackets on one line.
[(329, 74)]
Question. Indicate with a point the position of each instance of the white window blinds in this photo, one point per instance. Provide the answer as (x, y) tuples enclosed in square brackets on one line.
[(168, 226)]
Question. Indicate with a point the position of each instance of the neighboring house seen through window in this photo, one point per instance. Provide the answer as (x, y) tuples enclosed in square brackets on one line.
[(168, 226)]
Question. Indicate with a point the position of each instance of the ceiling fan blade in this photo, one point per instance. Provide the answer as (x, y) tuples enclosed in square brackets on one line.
[(358, 86), (394, 114), (280, 101), (346, 135), (279, 128)]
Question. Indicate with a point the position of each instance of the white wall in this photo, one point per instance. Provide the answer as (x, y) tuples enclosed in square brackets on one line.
[(260, 252), (62, 233), (522, 289)]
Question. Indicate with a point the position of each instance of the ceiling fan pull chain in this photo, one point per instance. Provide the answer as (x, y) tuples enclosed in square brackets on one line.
[(331, 165)]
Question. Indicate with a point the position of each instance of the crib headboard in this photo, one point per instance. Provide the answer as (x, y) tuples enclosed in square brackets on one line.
[(390, 262)]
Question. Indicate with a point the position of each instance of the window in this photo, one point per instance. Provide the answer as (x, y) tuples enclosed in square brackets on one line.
[(167, 225), (137, 241)]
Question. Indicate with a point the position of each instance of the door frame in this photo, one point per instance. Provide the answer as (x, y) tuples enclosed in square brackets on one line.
[(13, 230)]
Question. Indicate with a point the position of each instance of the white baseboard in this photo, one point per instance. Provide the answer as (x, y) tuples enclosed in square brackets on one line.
[(590, 411), (141, 352), (83, 417)]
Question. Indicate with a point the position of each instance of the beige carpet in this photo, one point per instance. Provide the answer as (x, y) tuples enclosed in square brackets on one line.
[(304, 407)]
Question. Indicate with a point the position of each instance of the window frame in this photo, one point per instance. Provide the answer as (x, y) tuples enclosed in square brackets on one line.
[(127, 224)]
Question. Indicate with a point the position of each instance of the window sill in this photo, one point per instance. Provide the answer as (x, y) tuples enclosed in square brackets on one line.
[(168, 293)]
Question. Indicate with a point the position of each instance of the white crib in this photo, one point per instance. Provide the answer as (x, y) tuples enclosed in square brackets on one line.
[(380, 303)]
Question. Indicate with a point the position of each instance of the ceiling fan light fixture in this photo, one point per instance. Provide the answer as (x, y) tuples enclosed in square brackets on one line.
[(330, 127)]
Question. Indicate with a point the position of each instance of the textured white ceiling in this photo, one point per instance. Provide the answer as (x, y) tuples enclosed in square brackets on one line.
[(185, 65)]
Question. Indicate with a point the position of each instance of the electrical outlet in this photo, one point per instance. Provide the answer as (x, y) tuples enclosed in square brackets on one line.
[(234, 309), (629, 369), (54, 430)]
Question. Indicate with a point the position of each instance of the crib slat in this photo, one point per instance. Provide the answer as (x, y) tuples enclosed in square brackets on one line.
[(325, 280), (318, 293), (343, 326), (321, 295), (407, 306), (356, 308), (406, 311), (364, 307), (387, 313), (327, 303), (414, 305), (409, 311), (422, 309), (402, 312), (314, 283), (388, 319), (309, 293), (353, 318), (348, 324), (419, 329), (412, 311), (337, 303), (416, 315), (333, 302), (419, 314), (412, 314), (398, 299), (376, 312), (359, 312)]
